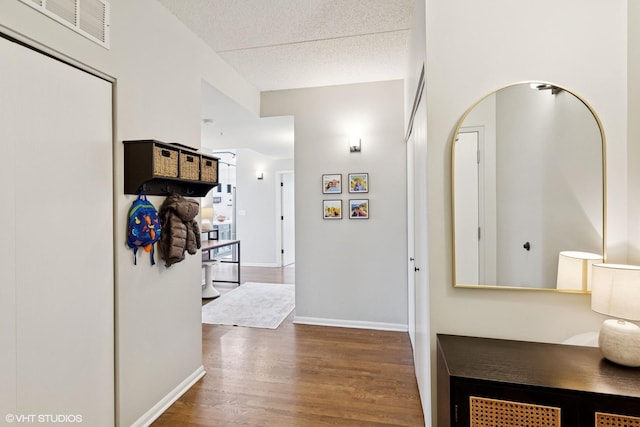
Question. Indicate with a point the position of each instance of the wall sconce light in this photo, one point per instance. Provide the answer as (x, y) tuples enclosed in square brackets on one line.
[(546, 86), (355, 145), (259, 175), (616, 292)]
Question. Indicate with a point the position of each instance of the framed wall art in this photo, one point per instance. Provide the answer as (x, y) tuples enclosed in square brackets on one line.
[(332, 209), (332, 183), (358, 183), (359, 208)]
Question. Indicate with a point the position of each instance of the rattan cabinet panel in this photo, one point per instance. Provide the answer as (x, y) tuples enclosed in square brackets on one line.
[(491, 382), (613, 420), (158, 168), (486, 412)]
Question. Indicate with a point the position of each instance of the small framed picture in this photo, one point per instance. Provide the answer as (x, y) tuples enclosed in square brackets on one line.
[(332, 183), (359, 208), (358, 183), (332, 209)]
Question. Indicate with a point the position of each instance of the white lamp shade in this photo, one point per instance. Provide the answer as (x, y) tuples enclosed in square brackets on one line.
[(574, 270), (616, 290), (207, 213), (206, 218)]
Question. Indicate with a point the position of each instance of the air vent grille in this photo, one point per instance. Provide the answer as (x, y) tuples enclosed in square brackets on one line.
[(94, 13), (89, 18), (65, 9)]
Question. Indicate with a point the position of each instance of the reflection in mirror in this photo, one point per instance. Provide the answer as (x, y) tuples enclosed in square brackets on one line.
[(528, 185)]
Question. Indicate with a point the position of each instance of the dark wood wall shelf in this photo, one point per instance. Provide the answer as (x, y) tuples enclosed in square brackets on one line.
[(161, 169), (574, 382)]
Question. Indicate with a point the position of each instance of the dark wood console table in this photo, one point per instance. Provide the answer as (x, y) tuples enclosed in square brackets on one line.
[(486, 382)]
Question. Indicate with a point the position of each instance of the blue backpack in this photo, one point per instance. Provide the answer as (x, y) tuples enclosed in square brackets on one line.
[(144, 226)]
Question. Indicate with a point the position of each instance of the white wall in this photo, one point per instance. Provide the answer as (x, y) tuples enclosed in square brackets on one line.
[(474, 48), (158, 66), (633, 76), (349, 272), (257, 199)]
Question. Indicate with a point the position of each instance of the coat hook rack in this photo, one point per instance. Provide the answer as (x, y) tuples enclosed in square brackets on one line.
[(161, 169)]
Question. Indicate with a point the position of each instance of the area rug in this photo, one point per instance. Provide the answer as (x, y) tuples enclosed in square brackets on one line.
[(256, 305)]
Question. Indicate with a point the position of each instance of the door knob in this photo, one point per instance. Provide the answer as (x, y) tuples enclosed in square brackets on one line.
[(416, 269), (527, 246), (412, 259)]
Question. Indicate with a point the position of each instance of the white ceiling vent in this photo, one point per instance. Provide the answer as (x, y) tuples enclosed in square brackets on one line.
[(87, 17)]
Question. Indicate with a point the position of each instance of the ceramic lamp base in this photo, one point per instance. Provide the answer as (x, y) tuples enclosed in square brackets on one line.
[(620, 342)]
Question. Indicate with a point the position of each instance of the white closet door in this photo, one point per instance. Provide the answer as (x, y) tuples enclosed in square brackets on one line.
[(57, 212), (7, 243)]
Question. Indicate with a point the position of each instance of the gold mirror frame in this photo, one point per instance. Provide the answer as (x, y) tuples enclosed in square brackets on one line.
[(460, 125)]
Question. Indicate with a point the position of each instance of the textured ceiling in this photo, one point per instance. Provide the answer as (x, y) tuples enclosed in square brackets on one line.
[(285, 44)]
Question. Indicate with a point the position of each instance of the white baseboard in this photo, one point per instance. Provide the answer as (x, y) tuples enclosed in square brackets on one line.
[(158, 409), (397, 327), (260, 264)]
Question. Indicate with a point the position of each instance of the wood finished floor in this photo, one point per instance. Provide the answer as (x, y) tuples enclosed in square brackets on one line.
[(299, 375)]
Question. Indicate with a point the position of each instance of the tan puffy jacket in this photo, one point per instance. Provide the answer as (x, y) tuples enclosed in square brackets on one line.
[(180, 231)]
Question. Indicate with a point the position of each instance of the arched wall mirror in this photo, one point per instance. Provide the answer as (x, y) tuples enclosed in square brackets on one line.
[(528, 174)]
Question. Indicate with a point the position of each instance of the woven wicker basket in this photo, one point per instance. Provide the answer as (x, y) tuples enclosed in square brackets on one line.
[(189, 166), (165, 162), (209, 170), (612, 420)]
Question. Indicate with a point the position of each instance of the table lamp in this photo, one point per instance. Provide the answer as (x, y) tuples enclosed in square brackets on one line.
[(574, 270), (206, 216), (616, 292)]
